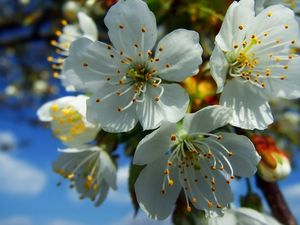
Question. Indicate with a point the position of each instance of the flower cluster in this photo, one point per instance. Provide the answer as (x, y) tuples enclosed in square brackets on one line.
[(136, 79), (252, 63)]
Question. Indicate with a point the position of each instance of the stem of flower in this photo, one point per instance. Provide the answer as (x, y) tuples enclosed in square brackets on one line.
[(276, 201)]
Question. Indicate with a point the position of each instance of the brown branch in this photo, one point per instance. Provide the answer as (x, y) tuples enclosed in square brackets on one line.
[(276, 201)]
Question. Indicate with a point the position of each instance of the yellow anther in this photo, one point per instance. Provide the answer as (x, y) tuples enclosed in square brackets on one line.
[(63, 138), (95, 187), (269, 14), (286, 67), (189, 209), (209, 204), (241, 27), (286, 26), (282, 77), (170, 182), (55, 107), (53, 42), (71, 176), (143, 29), (277, 59), (194, 200), (58, 33), (166, 172), (55, 74), (64, 22), (173, 137)]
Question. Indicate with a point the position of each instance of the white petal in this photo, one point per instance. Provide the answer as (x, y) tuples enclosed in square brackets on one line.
[(69, 33), (250, 109), (223, 191), (238, 14), (126, 21), (222, 194), (108, 168), (88, 26), (218, 67), (288, 88), (247, 216), (154, 145), (75, 150), (207, 119), (106, 111), (102, 193), (201, 190), (148, 190), (90, 64), (244, 159), (149, 112), (273, 21), (241, 216), (179, 54), (173, 102)]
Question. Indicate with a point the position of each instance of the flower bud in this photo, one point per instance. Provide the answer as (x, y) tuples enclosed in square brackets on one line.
[(275, 164)]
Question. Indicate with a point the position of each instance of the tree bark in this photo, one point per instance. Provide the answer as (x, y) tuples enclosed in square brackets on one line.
[(276, 201)]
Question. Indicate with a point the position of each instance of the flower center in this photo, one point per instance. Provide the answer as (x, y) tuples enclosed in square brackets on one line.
[(67, 122), (194, 159), (244, 62), (83, 166)]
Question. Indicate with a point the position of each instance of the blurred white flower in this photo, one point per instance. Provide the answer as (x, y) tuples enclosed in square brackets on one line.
[(12, 90), (240, 216), (129, 83), (40, 87), (86, 27), (90, 170), (193, 159), (251, 62), (67, 116)]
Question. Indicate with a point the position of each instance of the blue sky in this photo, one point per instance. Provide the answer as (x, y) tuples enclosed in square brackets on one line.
[(29, 195)]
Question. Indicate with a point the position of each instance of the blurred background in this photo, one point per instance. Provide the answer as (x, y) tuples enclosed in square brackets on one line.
[(28, 191)]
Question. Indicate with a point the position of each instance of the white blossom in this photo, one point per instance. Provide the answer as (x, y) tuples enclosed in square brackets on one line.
[(240, 216), (252, 63), (85, 27), (90, 170), (130, 83), (67, 116), (192, 159)]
